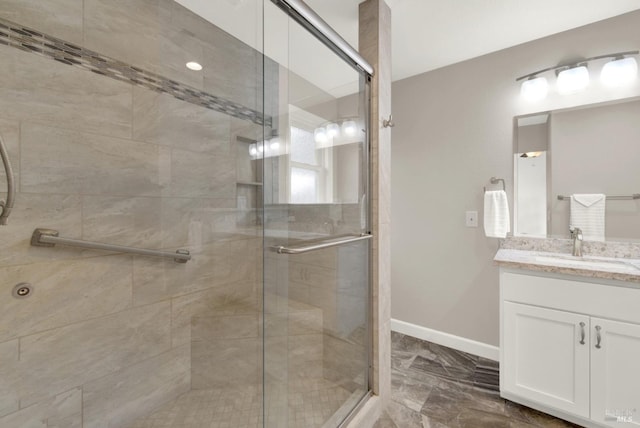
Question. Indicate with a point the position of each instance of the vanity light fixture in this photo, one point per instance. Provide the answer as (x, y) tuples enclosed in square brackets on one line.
[(349, 127), (573, 77), (268, 148), (320, 135), (619, 71), (195, 66), (332, 130), (534, 88)]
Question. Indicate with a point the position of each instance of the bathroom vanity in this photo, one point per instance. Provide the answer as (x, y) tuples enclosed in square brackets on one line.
[(570, 335)]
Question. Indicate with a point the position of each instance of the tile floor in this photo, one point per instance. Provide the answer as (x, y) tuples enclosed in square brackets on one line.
[(438, 387), (308, 404)]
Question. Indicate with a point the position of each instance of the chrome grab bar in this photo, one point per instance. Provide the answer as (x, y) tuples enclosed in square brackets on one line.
[(49, 238), (7, 205), (321, 244)]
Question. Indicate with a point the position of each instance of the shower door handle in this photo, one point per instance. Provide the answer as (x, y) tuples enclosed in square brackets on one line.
[(321, 244)]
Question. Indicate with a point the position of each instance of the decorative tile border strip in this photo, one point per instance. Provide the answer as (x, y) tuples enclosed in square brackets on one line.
[(29, 40)]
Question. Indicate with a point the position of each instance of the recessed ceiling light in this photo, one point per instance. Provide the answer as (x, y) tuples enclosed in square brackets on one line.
[(192, 65)]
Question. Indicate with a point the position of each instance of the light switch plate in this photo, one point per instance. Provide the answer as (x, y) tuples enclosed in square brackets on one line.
[(471, 218)]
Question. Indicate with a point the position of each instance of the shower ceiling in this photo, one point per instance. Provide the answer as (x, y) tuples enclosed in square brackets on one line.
[(428, 34)]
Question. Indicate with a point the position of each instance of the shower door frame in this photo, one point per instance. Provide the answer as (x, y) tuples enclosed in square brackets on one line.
[(312, 22)]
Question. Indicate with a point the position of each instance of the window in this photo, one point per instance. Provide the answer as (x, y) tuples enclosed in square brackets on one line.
[(309, 181)]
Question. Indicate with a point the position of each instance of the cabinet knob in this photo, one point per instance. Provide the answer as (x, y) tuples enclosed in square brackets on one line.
[(598, 337), (582, 333)]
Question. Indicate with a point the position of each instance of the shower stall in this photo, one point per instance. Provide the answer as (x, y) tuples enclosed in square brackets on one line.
[(188, 243)]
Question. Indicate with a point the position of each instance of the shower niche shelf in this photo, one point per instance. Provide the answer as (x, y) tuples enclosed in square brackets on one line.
[(248, 181)]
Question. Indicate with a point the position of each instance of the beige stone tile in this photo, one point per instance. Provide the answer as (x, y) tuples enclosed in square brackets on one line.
[(133, 221), (224, 299), (65, 292), (120, 398), (34, 88), (344, 359), (204, 175), (63, 358), (276, 359), (225, 362), (313, 275), (62, 411), (212, 265), (303, 322), (164, 119), (159, 46), (352, 269), (276, 324), (60, 161), (195, 221), (153, 222), (205, 328), (238, 77), (60, 212), (58, 18), (305, 356), (299, 292), (9, 400), (351, 314), (327, 300), (327, 258)]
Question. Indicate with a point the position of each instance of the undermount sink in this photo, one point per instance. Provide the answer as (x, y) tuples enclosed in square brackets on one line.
[(589, 263)]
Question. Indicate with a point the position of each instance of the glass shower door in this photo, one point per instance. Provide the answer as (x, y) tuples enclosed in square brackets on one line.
[(316, 232)]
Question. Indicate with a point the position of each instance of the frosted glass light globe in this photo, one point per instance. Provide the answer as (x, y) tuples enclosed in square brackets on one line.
[(535, 89), (619, 72), (573, 79)]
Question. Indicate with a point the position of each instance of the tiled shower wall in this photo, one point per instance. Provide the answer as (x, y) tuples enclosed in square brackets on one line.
[(105, 338)]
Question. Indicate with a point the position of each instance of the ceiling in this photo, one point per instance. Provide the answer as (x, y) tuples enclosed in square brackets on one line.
[(429, 34), (426, 34)]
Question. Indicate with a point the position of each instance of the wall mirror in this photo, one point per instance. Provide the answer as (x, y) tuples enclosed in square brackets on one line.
[(588, 149)]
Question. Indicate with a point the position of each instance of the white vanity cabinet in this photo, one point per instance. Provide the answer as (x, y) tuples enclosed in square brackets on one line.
[(570, 347)]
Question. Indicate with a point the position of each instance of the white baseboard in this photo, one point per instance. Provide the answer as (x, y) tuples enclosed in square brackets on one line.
[(445, 339)]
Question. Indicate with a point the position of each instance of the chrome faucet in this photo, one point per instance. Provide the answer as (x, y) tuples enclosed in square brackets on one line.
[(576, 235)]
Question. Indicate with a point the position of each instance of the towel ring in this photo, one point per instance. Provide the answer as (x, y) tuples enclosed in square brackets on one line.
[(496, 181)]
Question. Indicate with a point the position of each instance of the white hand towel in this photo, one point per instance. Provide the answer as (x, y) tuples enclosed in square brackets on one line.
[(496, 214), (587, 213)]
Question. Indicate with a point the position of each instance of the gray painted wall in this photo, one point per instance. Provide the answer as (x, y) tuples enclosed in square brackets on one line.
[(453, 133)]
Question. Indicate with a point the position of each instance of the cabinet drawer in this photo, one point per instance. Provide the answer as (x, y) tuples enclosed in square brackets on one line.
[(607, 299)]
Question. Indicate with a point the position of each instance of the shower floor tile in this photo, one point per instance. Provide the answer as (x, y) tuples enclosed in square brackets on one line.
[(310, 404)]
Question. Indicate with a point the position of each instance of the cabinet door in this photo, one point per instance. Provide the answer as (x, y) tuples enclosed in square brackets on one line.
[(543, 357), (615, 375)]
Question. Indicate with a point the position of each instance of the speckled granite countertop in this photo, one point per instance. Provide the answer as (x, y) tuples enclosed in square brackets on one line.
[(618, 261)]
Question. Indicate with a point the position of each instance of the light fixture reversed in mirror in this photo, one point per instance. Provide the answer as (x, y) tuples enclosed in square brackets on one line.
[(334, 130), (574, 77), (349, 128), (320, 135)]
